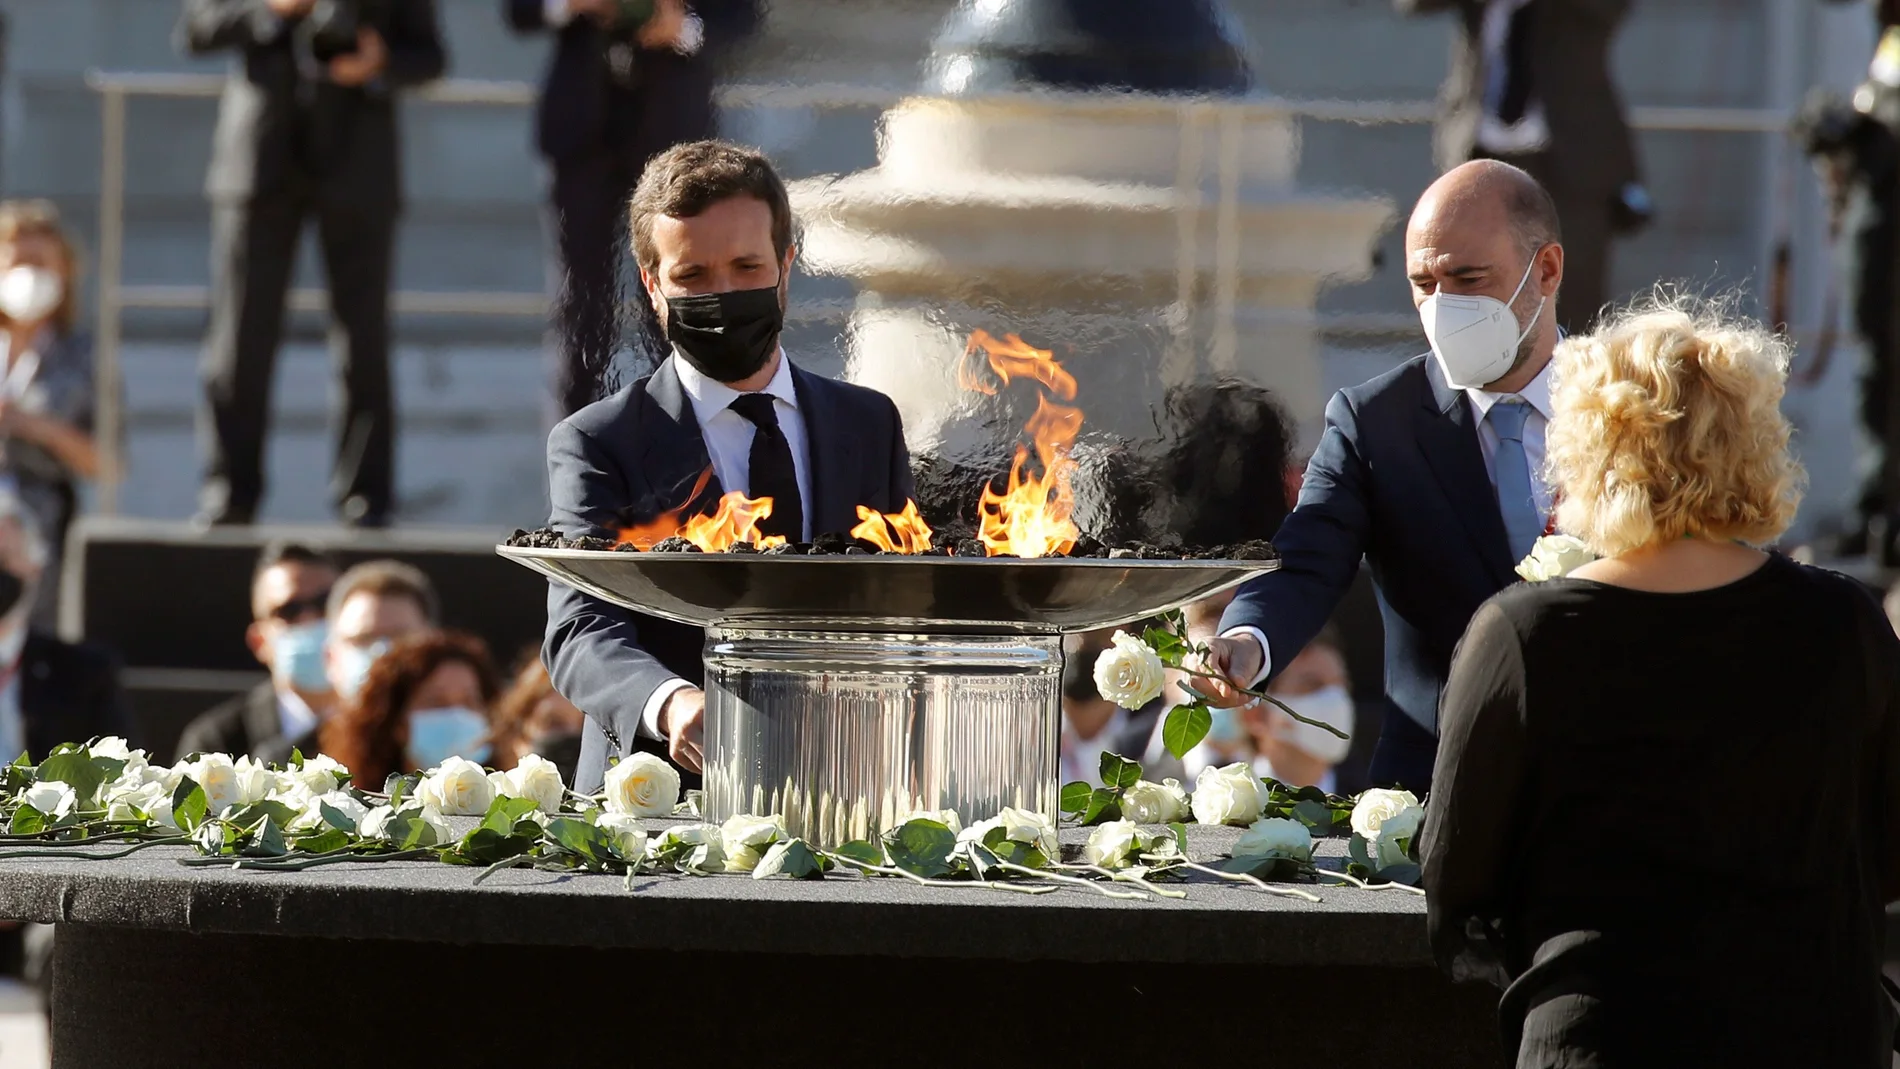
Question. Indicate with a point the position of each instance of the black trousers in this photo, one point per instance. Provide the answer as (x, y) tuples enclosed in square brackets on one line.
[(253, 251), (587, 208), (1586, 216)]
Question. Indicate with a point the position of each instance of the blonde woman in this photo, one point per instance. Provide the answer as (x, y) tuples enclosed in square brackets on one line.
[(1668, 785), (46, 386)]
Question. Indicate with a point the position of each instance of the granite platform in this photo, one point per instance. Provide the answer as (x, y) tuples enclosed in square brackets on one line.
[(161, 964)]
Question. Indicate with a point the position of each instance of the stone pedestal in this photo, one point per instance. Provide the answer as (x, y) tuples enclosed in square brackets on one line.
[(1151, 240)]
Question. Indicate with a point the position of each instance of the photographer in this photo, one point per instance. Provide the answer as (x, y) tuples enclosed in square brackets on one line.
[(628, 80), (307, 127), (1856, 147)]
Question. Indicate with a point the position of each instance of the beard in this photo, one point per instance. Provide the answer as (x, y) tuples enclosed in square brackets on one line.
[(1527, 346)]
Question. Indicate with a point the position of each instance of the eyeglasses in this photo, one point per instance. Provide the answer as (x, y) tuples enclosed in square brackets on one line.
[(297, 609)]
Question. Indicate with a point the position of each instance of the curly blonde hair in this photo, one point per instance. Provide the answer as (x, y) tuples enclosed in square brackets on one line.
[(1668, 425)]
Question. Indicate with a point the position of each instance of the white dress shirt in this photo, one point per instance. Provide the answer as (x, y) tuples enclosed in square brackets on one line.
[(295, 715), (1082, 758), (1537, 395), (728, 438), (558, 13)]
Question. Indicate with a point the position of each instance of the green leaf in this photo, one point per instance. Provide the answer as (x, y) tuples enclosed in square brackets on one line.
[(1360, 852), (862, 852), (1119, 771), (188, 805), (266, 841), (1180, 837), (407, 831), (1075, 796), (27, 821), (1186, 726), (1104, 805), (17, 776), (323, 841), (791, 858), (337, 819), (922, 847), (1017, 853), (485, 846), (1170, 647), (82, 772), (248, 817), (1314, 815), (1263, 868), (504, 813), (398, 787), (296, 758), (585, 840)]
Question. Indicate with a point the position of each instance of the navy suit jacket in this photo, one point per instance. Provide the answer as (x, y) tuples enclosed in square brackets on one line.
[(584, 111), (1398, 480), (629, 458)]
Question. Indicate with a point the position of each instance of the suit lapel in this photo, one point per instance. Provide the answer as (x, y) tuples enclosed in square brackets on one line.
[(1449, 438), (832, 452), (672, 451)]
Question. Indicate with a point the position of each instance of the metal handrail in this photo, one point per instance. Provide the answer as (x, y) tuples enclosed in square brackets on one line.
[(115, 89)]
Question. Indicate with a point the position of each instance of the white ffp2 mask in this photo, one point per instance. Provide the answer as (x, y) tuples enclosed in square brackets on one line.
[(30, 294), (1475, 338)]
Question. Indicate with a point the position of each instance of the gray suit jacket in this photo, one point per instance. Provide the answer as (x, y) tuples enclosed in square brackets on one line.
[(1591, 145), (627, 459)]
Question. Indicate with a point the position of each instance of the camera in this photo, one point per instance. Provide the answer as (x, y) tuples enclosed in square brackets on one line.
[(330, 29)]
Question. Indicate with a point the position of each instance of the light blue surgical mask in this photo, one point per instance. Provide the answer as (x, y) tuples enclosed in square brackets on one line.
[(1224, 726), (297, 655), (354, 664), (435, 735)]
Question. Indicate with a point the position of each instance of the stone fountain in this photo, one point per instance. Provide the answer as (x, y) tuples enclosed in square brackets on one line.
[(1099, 176)]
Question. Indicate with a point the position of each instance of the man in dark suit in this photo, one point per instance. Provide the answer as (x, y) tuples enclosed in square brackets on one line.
[(618, 93), (307, 127), (290, 593), (1530, 84), (1428, 472), (712, 232)]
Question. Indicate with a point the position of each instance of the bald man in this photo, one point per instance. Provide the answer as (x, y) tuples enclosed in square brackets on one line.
[(1428, 472)]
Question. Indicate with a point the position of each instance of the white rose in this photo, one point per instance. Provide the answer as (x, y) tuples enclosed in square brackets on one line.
[(535, 778), (1553, 557), (1276, 837), (643, 785), (458, 787), (630, 839), (1396, 834), (1155, 803), (311, 819), (1129, 673), (1113, 845), (1227, 795), (743, 840), (293, 795), (255, 781), (215, 774), (1377, 806), (1031, 829), (375, 823), (1160, 844), (51, 797), (946, 817), (321, 774), (444, 835), (152, 799), (114, 747), (706, 854), (979, 831)]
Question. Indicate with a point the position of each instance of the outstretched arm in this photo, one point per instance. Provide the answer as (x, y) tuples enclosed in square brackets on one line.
[(207, 26)]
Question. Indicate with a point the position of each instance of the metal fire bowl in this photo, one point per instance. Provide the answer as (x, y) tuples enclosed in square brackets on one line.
[(889, 593)]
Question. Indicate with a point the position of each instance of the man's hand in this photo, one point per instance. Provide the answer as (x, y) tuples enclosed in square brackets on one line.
[(1236, 661), (291, 9), (683, 722), (663, 29), (363, 65)]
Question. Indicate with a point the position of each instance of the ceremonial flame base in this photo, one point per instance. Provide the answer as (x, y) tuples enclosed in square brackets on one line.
[(845, 692)]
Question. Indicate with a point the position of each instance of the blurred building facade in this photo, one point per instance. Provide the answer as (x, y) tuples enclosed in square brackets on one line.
[(469, 388)]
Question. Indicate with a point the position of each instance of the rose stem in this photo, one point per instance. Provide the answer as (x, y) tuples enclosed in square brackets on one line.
[(1243, 877), (1011, 866), (925, 881), (1268, 698), (1389, 885), (1126, 877), (8, 855)]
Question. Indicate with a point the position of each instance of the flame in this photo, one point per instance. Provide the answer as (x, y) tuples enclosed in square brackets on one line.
[(1031, 517), (736, 520), (908, 532)]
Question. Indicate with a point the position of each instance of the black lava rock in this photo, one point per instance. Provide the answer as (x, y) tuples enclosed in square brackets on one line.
[(787, 549), (970, 547), (1121, 553), (830, 542), (676, 544), (742, 548), (593, 544)]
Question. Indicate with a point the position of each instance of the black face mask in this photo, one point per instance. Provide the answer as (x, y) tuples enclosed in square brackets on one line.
[(728, 336)]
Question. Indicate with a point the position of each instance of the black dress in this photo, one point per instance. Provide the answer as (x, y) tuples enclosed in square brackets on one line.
[(1667, 824)]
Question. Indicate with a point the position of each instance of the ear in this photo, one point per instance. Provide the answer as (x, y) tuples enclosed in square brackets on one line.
[(651, 284), (258, 642), (1550, 269)]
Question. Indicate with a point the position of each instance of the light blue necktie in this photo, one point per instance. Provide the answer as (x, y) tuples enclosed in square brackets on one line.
[(1517, 503)]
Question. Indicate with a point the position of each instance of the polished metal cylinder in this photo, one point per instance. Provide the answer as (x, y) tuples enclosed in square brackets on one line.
[(846, 733)]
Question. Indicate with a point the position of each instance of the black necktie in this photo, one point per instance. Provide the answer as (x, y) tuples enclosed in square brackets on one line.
[(773, 475)]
